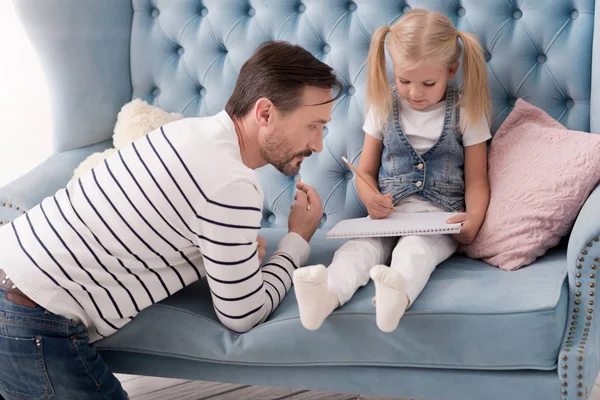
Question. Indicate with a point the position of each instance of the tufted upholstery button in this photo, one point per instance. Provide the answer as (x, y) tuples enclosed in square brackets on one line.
[(155, 92), (570, 103), (155, 12), (201, 91), (461, 12), (301, 8), (180, 50), (512, 101), (251, 12), (352, 6), (574, 14), (517, 14), (326, 48), (323, 219), (325, 131), (351, 90), (406, 9), (271, 218), (487, 55), (348, 175), (541, 58), (204, 11)]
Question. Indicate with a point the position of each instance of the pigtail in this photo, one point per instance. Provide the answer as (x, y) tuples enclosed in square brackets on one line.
[(476, 93), (379, 98)]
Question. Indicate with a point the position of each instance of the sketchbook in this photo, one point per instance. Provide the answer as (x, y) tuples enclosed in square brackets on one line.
[(397, 224)]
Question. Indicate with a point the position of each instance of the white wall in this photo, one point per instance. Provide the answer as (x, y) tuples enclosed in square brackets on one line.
[(25, 122)]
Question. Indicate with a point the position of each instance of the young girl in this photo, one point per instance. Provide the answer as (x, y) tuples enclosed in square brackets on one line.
[(425, 148)]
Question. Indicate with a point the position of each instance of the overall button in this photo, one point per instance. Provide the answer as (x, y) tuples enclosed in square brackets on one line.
[(419, 184), (420, 166)]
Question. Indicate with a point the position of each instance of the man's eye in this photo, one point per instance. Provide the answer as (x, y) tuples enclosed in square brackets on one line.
[(313, 127)]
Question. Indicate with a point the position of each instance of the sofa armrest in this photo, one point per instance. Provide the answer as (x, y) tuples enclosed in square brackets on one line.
[(43, 181), (83, 48), (579, 359)]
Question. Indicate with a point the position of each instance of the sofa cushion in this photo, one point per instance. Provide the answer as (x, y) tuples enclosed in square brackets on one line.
[(470, 316)]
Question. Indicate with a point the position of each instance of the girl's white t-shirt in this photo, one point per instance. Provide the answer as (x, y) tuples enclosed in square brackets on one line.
[(423, 128)]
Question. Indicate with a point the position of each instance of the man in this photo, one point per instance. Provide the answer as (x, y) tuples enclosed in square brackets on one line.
[(178, 204)]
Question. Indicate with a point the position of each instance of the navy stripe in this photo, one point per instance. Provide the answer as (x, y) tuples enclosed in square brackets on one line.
[(278, 278), (271, 299), (107, 251), (239, 316), (66, 274), (43, 270), (110, 296), (238, 298), (148, 199), (188, 201), (236, 281), (167, 264), (230, 262), (277, 265), (173, 247), (95, 256), (119, 240), (175, 209), (276, 291), (198, 186), (289, 259)]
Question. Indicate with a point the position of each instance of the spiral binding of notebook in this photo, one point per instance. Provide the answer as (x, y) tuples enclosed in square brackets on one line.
[(398, 224)]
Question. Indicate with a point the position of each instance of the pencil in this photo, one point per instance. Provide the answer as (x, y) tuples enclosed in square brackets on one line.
[(307, 203), (365, 180)]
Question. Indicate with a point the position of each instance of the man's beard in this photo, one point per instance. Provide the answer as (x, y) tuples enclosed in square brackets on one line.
[(278, 154)]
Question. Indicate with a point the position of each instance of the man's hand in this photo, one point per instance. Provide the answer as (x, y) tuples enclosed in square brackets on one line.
[(261, 248), (379, 205), (470, 227), (305, 220)]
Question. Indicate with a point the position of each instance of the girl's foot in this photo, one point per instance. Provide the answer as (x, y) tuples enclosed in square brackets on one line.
[(315, 300), (390, 297)]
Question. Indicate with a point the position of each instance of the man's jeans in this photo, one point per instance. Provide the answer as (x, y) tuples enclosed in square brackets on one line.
[(46, 356)]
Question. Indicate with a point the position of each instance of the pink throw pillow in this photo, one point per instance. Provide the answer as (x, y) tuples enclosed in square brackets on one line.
[(540, 175)]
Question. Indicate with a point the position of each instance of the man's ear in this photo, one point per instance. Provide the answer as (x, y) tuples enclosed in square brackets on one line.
[(263, 111), (452, 70)]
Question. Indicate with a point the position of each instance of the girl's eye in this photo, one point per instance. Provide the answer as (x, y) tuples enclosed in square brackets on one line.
[(429, 84), (404, 82)]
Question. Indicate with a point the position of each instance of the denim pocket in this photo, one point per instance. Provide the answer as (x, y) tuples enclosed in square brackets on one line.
[(23, 372)]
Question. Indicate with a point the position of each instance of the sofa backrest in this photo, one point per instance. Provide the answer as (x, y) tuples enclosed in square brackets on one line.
[(184, 56)]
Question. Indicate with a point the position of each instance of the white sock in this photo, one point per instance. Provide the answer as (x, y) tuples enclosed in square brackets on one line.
[(315, 300), (390, 297)]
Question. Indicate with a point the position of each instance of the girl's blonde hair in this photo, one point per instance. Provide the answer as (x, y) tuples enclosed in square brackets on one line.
[(423, 36)]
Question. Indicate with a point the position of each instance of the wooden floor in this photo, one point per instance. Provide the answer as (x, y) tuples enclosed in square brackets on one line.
[(150, 388)]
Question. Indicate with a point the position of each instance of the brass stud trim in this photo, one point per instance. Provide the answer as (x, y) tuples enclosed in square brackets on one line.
[(580, 376), (593, 276), (597, 259), (579, 358), (588, 324), (589, 244), (576, 309), (579, 394), (592, 293), (578, 294), (584, 252), (590, 311), (592, 284), (591, 302), (589, 318), (564, 392), (564, 366), (564, 358), (579, 385), (578, 284), (580, 367), (586, 330), (565, 384), (572, 328), (594, 267), (578, 274), (577, 302), (596, 239), (564, 375), (581, 258), (579, 266)]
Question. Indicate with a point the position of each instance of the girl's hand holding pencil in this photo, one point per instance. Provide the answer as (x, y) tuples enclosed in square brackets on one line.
[(378, 205)]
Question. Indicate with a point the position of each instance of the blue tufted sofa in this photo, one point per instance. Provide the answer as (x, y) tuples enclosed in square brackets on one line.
[(476, 332)]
